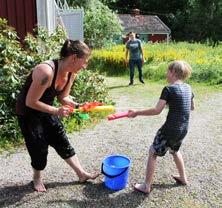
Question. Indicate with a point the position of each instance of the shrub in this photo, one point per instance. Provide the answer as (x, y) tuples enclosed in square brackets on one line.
[(11, 59), (16, 62), (90, 87)]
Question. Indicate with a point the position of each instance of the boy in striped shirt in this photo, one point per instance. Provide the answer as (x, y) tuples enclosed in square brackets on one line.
[(178, 96)]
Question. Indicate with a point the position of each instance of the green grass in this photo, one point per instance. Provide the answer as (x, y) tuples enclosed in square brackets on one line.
[(205, 61), (151, 90)]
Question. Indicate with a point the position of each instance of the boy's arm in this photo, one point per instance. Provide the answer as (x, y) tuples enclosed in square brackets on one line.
[(192, 105), (192, 102), (149, 112)]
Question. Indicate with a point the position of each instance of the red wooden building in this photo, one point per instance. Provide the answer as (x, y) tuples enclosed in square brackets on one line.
[(148, 27), (20, 14), (25, 15)]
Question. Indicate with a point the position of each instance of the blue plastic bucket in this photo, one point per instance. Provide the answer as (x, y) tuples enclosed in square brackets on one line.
[(116, 171)]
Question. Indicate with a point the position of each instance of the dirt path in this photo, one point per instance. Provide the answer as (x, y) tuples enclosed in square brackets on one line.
[(130, 137)]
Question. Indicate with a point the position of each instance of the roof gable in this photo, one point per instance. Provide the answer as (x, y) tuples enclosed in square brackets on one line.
[(143, 24)]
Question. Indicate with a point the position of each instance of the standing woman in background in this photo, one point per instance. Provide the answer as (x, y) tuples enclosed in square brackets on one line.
[(39, 119), (136, 57)]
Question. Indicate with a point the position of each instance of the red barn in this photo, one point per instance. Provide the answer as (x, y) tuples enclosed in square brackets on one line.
[(147, 27), (25, 15), (20, 14)]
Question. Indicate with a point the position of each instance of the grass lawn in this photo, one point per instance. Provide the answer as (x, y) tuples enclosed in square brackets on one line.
[(118, 86)]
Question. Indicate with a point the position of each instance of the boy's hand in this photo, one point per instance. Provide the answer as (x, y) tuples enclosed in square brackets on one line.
[(132, 114)]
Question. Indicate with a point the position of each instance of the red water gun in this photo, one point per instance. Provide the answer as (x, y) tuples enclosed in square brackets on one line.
[(88, 106)]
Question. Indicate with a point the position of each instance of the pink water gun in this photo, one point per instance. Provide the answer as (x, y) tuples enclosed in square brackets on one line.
[(117, 115)]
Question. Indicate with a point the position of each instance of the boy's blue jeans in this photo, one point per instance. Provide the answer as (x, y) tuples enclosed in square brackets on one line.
[(138, 63)]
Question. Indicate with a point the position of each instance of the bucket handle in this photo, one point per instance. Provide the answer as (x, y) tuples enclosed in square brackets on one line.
[(112, 176)]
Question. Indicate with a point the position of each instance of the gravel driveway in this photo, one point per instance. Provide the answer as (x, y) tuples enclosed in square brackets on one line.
[(132, 137)]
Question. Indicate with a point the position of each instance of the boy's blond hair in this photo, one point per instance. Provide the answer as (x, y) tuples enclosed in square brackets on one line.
[(181, 68)]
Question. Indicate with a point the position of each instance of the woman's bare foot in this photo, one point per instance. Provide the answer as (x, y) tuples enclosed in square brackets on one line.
[(38, 185), (144, 188), (86, 176), (180, 180)]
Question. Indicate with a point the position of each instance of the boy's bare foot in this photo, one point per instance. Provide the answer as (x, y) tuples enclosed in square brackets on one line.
[(179, 180), (38, 185), (86, 176), (144, 188)]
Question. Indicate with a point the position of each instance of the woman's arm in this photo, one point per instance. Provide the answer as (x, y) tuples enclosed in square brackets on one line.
[(41, 80), (142, 53), (149, 112), (126, 56)]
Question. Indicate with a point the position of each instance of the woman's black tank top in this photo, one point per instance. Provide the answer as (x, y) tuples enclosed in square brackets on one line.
[(47, 97)]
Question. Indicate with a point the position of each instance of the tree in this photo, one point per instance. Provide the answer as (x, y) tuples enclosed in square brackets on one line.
[(192, 20), (100, 23), (189, 20), (173, 13), (206, 21)]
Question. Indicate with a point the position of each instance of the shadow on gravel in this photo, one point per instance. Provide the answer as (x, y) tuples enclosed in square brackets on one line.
[(96, 195), (121, 86), (117, 86), (165, 186), (13, 194)]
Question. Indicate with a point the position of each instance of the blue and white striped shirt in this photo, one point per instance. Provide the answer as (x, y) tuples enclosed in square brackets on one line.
[(178, 98)]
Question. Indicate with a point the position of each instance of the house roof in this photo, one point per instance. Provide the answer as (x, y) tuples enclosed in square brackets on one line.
[(143, 24)]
